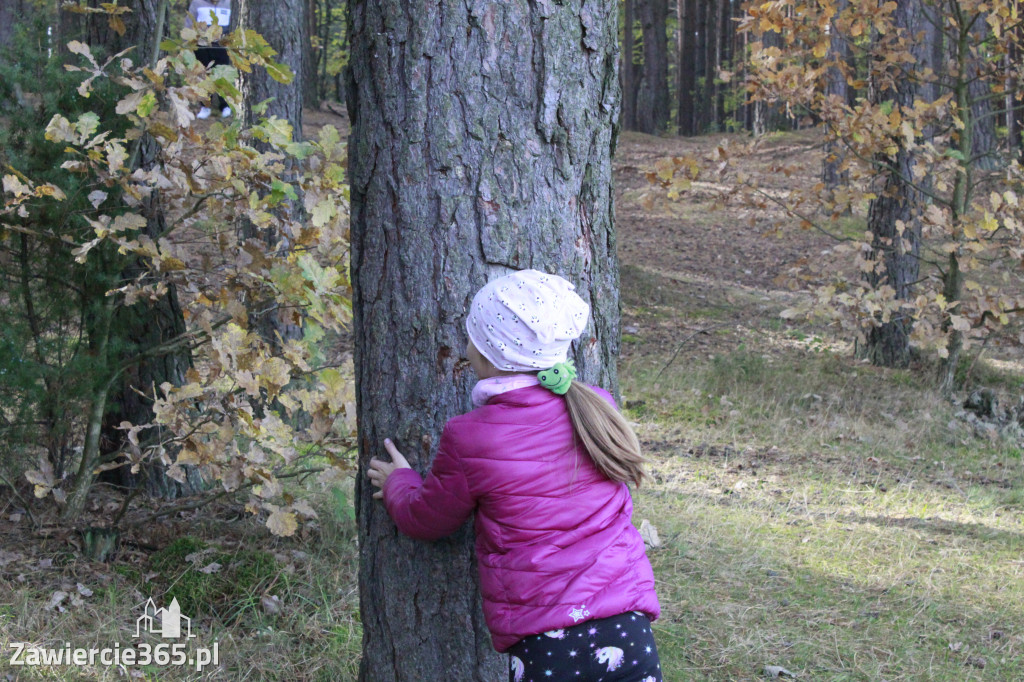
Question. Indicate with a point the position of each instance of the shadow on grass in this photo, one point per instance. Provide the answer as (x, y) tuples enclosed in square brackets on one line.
[(940, 526)]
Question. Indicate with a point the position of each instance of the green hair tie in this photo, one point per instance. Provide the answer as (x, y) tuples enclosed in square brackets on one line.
[(559, 378)]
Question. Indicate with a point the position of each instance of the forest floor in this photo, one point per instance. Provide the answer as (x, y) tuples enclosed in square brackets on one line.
[(816, 514)]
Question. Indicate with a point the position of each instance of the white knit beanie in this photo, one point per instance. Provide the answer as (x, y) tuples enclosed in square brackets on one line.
[(525, 321)]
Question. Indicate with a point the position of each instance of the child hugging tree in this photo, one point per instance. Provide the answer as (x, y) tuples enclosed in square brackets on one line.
[(544, 461)]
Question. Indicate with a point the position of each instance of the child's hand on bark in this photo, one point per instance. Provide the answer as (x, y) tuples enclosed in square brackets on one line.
[(379, 470)]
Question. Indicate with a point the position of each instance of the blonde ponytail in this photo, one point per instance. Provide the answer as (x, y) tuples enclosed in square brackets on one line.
[(605, 435)]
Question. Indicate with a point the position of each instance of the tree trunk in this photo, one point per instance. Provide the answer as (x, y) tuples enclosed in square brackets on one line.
[(310, 75), (894, 217), (630, 75), (685, 41), (481, 143), (700, 67), (765, 113), (283, 24), (141, 327), (12, 12), (1010, 102), (986, 145), (652, 108), (836, 89), (721, 56)]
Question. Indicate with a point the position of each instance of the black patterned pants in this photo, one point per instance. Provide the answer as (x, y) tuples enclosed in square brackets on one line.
[(217, 55), (616, 649)]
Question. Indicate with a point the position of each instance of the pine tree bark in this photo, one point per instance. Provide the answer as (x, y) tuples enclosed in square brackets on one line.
[(708, 29), (685, 43), (836, 88), (764, 113), (894, 218), (721, 56), (143, 326), (986, 145), (310, 74), (652, 103), (481, 143), (283, 24)]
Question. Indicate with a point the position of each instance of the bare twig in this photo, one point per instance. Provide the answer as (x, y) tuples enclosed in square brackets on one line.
[(196, 504), (682, 343)]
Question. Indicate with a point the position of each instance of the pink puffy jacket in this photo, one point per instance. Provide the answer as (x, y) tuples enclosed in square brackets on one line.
[(554, 541)]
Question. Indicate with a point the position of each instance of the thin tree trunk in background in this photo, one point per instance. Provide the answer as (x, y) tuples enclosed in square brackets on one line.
[(749, 109), (836, 88), (629, 69), (699, 69), (986, 145), (481, 143), (684, 66), (310, 89), (707, 100), (1017, 108), (652, 102), (1010, 103), (764, 112), (721, 50)]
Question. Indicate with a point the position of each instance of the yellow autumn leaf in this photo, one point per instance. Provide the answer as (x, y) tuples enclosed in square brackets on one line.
[(282, 523), (989, 223)]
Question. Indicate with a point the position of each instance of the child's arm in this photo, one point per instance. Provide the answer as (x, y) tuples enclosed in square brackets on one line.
[(424, 509)]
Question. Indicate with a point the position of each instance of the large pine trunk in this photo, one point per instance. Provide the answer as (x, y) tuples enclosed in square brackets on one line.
[(481, 143)]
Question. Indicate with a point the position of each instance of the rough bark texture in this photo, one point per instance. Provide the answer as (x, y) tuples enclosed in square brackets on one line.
[(686, 17), (143, 326), (836, 87), (705, 104), (766, 116), (898, 202), (986, 146), (481, 143), (652, 107), (310, 73), (282, 23)]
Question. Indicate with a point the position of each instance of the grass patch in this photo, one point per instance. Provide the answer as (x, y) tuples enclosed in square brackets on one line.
[(313, 633), (206, 580), (828, 517)]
